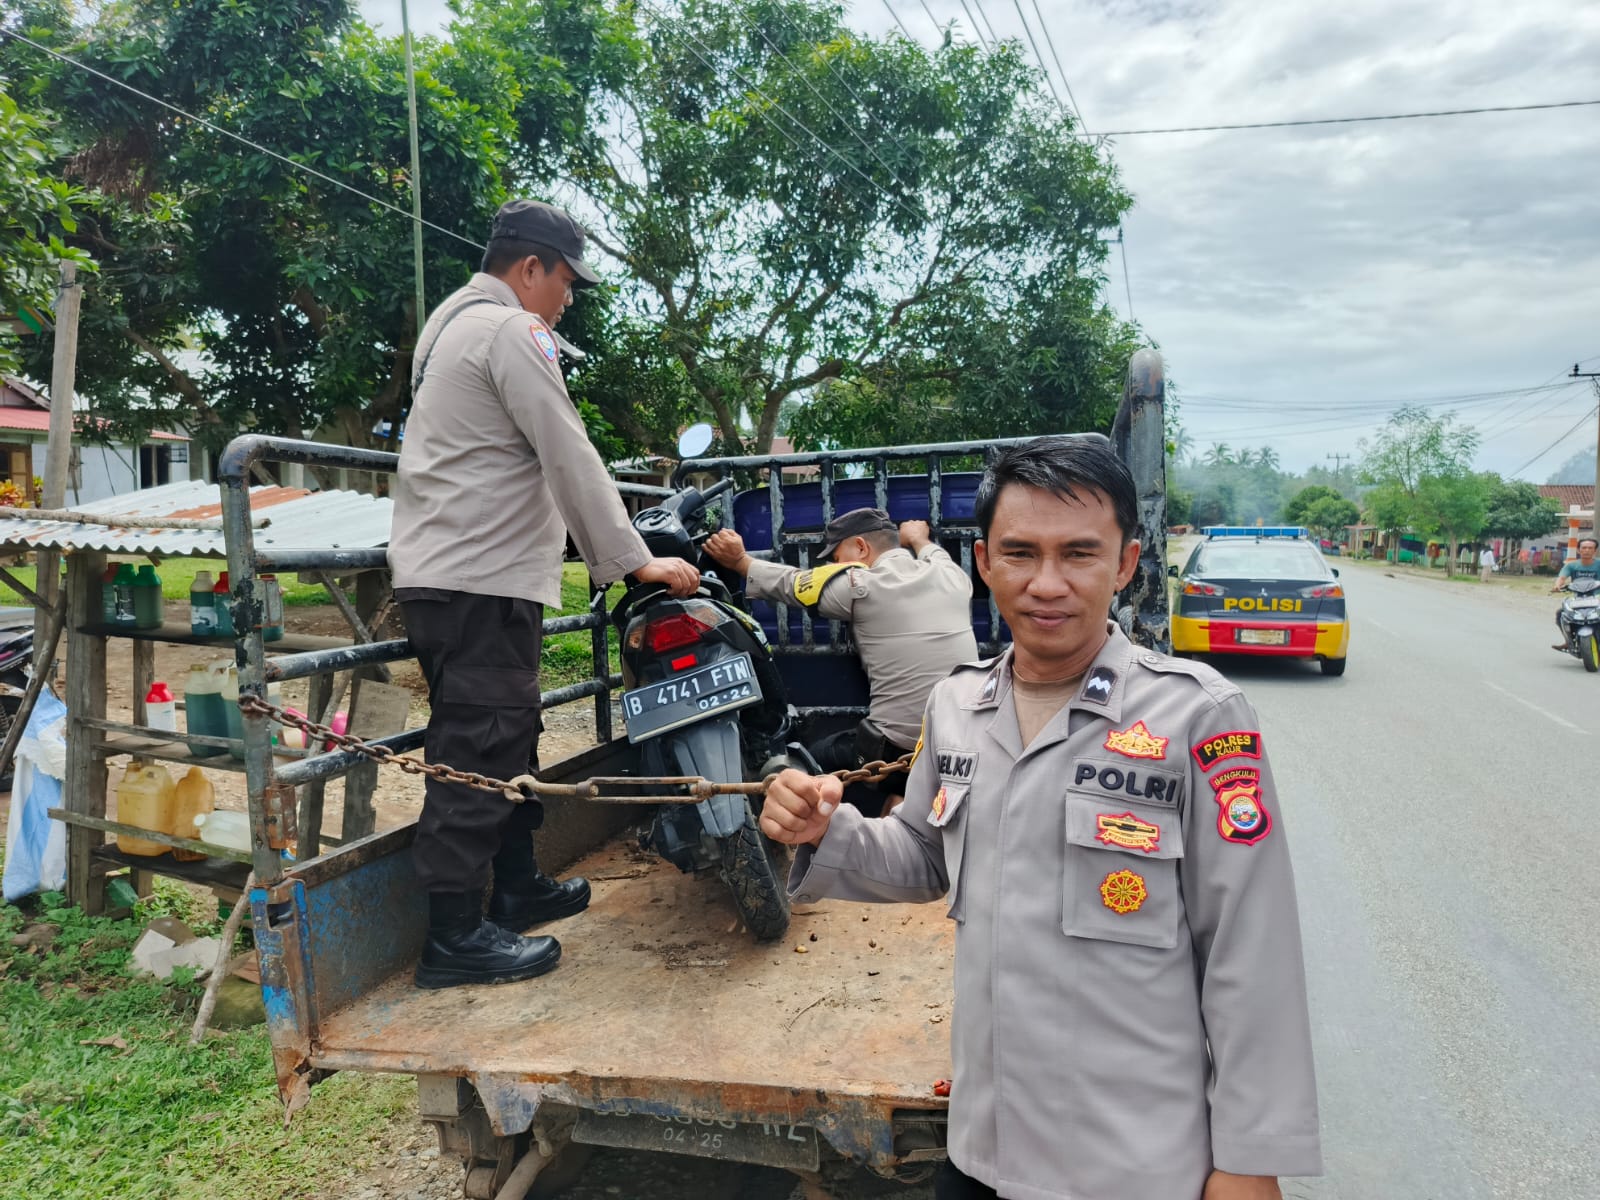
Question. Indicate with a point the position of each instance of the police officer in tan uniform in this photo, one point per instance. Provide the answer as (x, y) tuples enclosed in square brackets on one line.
[(910, 611), (1130, 1006), (495, 470)]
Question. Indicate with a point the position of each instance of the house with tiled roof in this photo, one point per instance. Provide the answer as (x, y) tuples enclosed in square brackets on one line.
[(97, 469)]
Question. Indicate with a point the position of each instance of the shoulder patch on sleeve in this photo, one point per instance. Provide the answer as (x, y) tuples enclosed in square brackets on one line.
[(808, 584), (542, 339)]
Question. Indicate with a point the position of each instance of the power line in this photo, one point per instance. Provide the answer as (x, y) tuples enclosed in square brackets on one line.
[(1051, 42), (976, 28), (1558, 441), (898, 21), (984, 13), (1408, 116), (227, 133), (1028, 29)]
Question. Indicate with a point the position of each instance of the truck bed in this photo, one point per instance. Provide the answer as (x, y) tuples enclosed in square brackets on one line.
[(662, 1002)]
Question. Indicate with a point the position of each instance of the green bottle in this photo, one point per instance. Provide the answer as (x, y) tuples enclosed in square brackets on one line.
[(147, 598), (122, 586)]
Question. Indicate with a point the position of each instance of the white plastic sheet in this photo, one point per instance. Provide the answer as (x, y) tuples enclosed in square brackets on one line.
[(36, 846)]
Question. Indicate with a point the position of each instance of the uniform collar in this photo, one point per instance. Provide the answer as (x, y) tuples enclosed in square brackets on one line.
[(497, 289), (1107, 677)]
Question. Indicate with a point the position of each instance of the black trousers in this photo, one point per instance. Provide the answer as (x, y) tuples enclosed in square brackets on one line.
[(480, 656), (951, 1184)]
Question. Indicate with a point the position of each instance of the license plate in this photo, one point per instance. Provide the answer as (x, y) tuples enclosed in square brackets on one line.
[(681, 700), (1262, 637), (792, 1147)]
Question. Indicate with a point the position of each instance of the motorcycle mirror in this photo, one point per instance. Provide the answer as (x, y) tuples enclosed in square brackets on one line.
[(695, 440)]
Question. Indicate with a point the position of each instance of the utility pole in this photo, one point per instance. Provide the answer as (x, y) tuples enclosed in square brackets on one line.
[(416, 169), (58, 450), (1594, 379), (1338, 466)]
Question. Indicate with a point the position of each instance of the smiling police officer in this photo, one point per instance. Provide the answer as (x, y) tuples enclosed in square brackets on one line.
[(495, 470), (1130, 1006)]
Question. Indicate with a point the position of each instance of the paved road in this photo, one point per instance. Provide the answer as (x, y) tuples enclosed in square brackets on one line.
[(1446, 854)]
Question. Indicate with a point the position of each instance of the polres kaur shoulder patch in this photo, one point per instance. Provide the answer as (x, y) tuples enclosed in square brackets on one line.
[(543, 340), (1237, 743)]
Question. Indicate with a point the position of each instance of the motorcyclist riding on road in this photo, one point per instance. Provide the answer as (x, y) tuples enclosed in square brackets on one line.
[(1586, 567)]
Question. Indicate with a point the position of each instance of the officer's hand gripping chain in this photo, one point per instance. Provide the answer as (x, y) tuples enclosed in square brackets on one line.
[(604, 788)]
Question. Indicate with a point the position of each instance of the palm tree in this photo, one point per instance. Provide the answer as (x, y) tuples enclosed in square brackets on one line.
[(1267, 457), (1220, 455)]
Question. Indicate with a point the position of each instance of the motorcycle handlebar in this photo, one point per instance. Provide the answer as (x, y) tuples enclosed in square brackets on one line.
[(716, 489)]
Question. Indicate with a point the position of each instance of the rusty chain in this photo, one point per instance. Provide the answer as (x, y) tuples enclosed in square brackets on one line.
[(525, 787)]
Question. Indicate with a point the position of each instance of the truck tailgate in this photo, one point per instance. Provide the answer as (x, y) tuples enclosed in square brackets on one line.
[(662, 1004)]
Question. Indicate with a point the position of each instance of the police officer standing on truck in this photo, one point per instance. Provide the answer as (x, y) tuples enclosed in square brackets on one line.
[(495, 470), (1130, 1005), (910, 610)]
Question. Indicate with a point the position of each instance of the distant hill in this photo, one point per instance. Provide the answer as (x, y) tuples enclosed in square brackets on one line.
[(1577, 469)]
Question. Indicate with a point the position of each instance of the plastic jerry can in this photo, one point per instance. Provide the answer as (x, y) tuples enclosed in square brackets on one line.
[(147, 598), (202, 702), (202, 605), (194, 797), (145, 798)]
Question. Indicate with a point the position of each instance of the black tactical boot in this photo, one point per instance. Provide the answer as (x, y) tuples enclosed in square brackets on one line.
[(464, 948), (523, 896)]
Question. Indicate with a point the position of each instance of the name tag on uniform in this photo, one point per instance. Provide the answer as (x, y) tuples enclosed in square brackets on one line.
[(956, 766)]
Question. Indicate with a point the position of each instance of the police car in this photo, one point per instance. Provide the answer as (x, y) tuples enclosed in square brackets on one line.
[(1260, 590)]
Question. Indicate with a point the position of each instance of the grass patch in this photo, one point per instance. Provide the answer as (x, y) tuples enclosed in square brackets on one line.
[(177, 577), (144, 1115), (569, 658)]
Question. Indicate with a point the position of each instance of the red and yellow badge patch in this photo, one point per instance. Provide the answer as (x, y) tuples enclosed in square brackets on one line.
[(1123, 892), (543, 340), (1128, 831), (1238, 743), (1242, 816), (1137, 742), (941, 801)]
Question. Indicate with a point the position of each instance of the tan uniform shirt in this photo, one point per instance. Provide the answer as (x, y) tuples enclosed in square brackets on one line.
[(912, 622), (1130, 1004), (496, 464)]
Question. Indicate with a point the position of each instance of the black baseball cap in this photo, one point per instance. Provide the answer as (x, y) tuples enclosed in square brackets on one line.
[(545, 225), (855, 523)]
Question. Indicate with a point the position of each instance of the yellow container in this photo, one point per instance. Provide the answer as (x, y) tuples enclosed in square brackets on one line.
[(145, 798), (194, 797)]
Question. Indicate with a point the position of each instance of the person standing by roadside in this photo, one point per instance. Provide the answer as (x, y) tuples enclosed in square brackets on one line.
[(1130, 1002), (496, 468), (1486, 564)]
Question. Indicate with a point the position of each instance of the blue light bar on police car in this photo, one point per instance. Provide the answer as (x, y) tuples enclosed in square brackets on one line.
[(1256, 531)]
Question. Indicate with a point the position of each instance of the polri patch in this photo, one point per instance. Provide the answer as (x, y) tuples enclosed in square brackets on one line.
[(1237, 743), (957, 766), (1099, 684), (1136, 742), (1123, 892), (546, 343), (1128, 831), (1242, 816), (1136, 783)]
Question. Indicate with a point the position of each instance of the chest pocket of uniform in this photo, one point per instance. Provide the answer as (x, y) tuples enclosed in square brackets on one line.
[(1120, 881), (954, 829)]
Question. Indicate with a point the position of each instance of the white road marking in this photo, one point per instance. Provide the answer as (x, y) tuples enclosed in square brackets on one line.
[(1379, 625), (1543, 712)]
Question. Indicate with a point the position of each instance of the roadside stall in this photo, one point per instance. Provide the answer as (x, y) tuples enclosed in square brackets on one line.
[(343, 533)]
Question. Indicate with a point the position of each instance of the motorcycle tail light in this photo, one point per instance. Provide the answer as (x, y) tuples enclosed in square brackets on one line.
[(679, 629), (686, 661), (1192, 588), (1323, 591)]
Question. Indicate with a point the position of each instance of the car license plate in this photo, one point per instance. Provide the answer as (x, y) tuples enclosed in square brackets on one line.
[(793, 1147), (693, 696), (1263, 637)]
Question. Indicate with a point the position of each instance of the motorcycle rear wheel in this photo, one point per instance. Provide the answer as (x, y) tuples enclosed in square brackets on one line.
[(1589, 652), (752, 867)]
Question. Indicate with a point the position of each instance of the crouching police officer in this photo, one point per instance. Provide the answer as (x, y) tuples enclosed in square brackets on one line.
[(910, 611), (495, 468), (1130, 1005)]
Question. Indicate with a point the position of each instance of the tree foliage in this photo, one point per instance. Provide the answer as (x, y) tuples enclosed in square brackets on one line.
[(1329, 516), (1516, 511)]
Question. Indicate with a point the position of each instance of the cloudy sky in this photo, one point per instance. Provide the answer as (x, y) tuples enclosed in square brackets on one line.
[(1303, 282)]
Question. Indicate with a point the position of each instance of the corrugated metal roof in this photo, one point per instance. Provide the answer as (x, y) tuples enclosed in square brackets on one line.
[(300, 520), (37, 420)]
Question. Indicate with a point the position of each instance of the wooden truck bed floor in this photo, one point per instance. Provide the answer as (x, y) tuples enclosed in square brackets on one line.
[(661, 996)]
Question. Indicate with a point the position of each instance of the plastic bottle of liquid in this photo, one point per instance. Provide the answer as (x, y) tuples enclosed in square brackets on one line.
[(194, 797), (108, 596), (123, 587), (160, 709), (202, 703), (271, 609), (147, 598), (202, 606), (224, 605), (232, 718), (145, 798)]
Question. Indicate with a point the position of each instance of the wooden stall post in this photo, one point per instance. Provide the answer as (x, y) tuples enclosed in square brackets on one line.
[(86, 699)]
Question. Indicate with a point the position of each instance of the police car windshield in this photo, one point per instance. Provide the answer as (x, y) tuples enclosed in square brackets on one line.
[(1259, 560)]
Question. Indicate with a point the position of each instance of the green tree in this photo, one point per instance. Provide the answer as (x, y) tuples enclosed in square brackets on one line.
[(1298, 505), (1329, 515), (1516, 511), (1451, 507), (1415, 444)]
